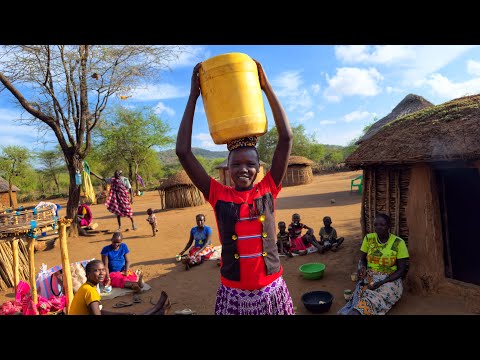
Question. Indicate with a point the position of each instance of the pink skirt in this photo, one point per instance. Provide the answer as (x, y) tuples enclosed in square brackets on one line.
[(297, 244), (118, 279)]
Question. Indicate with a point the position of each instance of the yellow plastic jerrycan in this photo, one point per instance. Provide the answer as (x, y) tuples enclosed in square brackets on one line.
[(232, 97)]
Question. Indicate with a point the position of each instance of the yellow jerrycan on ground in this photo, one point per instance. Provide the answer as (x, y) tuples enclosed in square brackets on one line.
[(232, 97)]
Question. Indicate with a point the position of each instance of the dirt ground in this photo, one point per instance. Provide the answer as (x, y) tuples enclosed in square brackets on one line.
[(196, 288)]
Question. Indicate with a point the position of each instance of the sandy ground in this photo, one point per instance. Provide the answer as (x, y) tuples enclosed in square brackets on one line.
[(196, 288)]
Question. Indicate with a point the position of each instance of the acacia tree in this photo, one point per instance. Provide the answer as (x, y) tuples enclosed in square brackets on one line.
[(132, 135), (66, 88), (13, 163)]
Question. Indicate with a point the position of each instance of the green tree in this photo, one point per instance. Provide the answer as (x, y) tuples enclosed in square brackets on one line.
[(66, 88), (52, 165), (303, 145), (13, 164), (133, 135)]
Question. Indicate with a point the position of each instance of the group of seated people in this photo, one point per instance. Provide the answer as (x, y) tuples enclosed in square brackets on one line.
[(383, 264), (292, 241)]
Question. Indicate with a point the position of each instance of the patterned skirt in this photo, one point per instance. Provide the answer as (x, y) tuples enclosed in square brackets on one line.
[(273, 299), (374, 302), (205, 254)]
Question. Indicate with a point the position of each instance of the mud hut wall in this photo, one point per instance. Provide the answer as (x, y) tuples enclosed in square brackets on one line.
[(221, 174), (425, 236), (386, 191), (182, 196), (260, 175), (298, 175), (5, 199)]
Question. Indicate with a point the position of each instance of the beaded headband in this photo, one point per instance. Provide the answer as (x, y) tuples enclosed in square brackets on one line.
[(242, 142)]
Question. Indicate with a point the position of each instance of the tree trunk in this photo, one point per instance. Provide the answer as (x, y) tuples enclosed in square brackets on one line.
[(56, 184), (10, 185), (73, 198), (136, 181)]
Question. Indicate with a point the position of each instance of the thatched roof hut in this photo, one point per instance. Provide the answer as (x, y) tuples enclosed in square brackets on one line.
[(178, 191), (4, 197), (299, 171), (408, 105), (224, 173), (423, 169)]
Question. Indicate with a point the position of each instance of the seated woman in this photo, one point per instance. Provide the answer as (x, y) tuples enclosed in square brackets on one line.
[(202, 249), (115, 258), (84, 215), (87, 299), (382, 266)]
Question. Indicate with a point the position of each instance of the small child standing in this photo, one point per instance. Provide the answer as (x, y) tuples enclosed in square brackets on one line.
[(283, 240), (152, 220), (328, 235)]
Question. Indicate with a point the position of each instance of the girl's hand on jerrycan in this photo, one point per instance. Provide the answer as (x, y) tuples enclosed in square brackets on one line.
[(195, 86), (261, 75)]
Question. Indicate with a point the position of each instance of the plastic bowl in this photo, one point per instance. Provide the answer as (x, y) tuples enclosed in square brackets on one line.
[(312, 271), (317, 301)]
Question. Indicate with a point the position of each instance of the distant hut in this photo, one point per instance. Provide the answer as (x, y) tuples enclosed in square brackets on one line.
[(224, 173), (423, 170), (408, 105), (4, 198), (178, 191), (299, 171)]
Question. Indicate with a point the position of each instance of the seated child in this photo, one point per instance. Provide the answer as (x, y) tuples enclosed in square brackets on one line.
[(298, 242), (283, 239), (202, 249), (152, 220), (328, 235)]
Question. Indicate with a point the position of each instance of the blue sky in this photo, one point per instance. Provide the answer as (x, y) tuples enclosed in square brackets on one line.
[(334, 91)]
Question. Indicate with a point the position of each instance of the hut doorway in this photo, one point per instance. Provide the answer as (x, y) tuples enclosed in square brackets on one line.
[(459, 195)]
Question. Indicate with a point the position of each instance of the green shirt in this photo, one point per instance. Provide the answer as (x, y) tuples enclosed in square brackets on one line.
[(383, 257)]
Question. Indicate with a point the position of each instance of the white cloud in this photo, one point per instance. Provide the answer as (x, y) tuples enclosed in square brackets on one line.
[(315, 89), (429, 60), (352, 81), (448, 90), (416, 62), (378, 54), (289, 86), (473, 67), (336, 137), (358, 115), (327, 122), (191, 56), (158, 92), (390, 90), (205, 141), (8, 115), (162, 108), (15, 133), (307, 116)]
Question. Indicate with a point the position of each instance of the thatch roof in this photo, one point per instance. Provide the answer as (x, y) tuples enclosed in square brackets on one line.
[(180, 178), (408, 105), (299, 160), (224, 164), (449, 131), (4, 186)]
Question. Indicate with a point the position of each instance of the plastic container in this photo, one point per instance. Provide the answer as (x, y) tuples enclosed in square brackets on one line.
[(232, 97), (312, 271)]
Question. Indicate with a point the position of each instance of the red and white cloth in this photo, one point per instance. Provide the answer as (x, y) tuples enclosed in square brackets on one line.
[(118, 201)]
